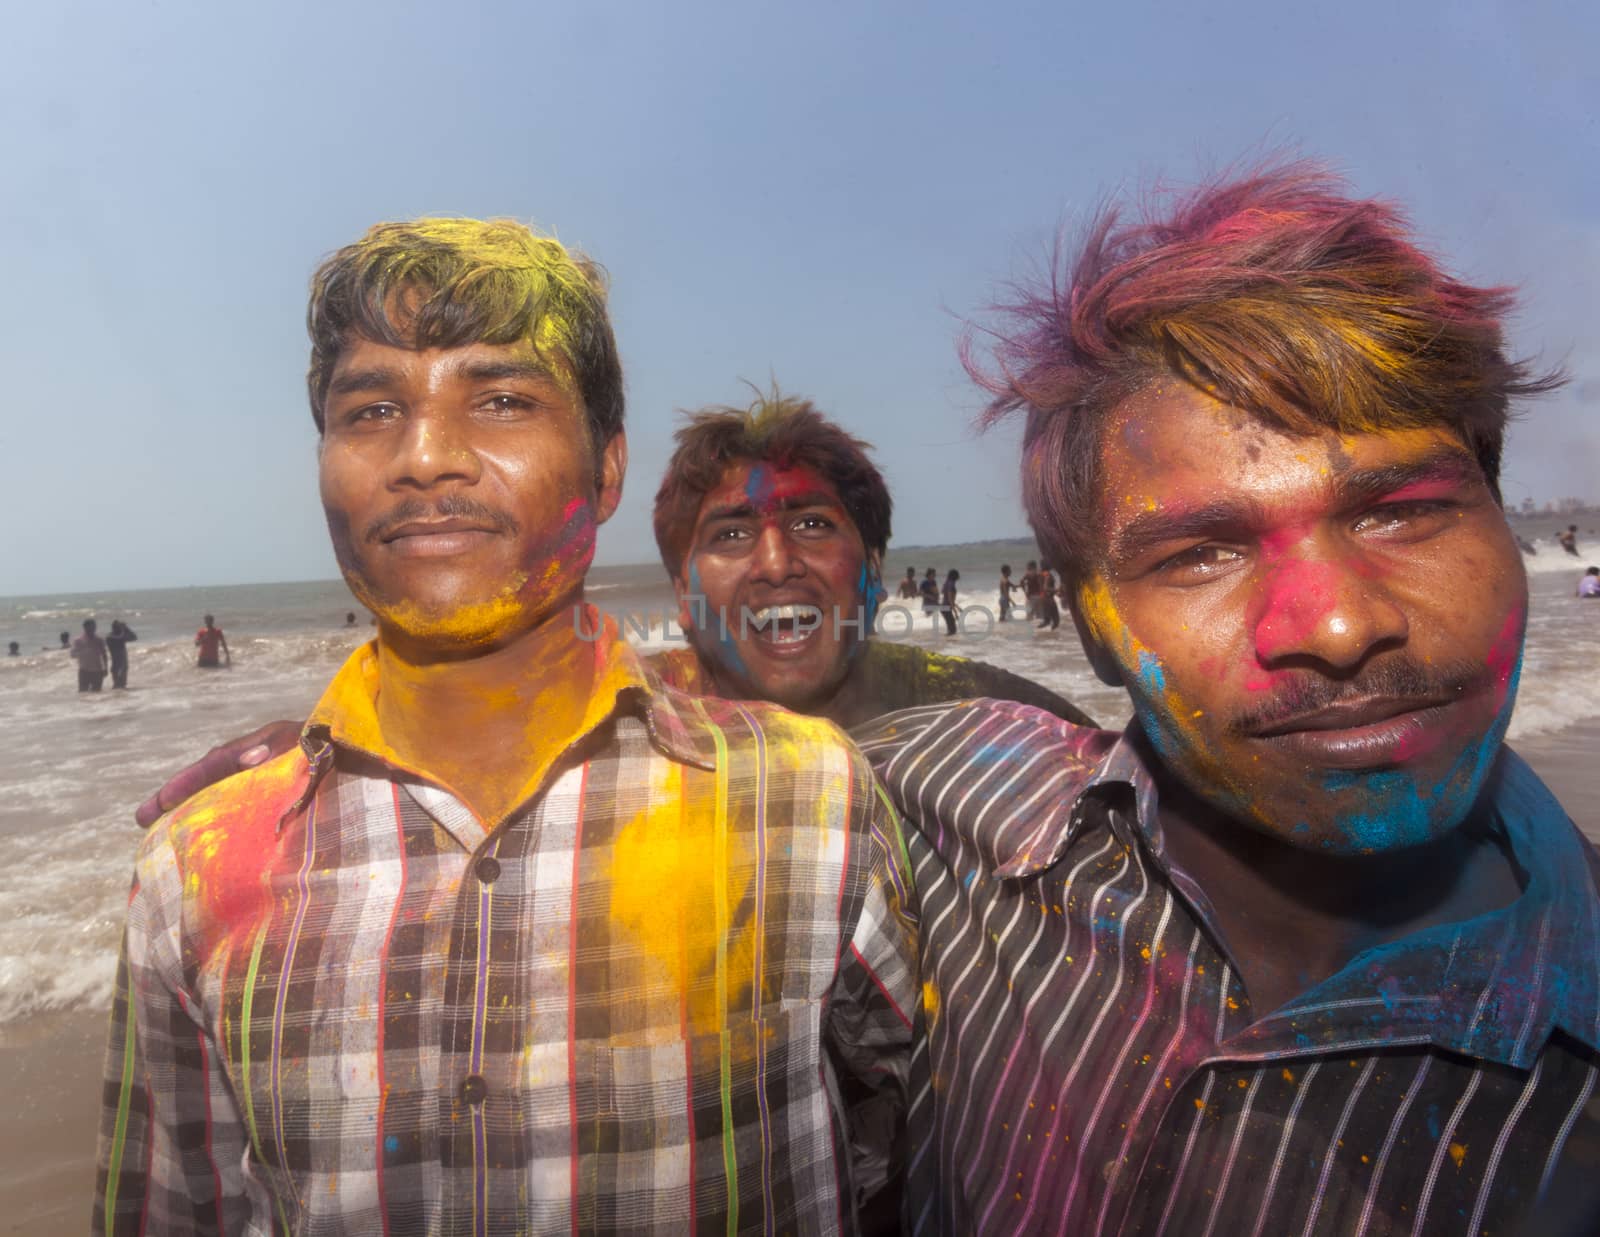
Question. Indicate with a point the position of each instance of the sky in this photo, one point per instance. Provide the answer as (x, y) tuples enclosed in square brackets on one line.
[(821, 194)]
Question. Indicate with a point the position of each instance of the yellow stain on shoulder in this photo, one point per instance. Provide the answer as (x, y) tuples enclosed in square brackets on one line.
[(930, 1001)]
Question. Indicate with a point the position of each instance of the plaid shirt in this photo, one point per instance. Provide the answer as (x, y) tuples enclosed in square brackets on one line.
[(344, 1006), (1088, 1060)]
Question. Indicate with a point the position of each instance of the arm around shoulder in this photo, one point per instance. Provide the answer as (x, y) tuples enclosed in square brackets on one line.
[(874, 1002)]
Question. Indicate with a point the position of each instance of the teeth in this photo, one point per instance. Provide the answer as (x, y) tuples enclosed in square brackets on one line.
[(767, 614)]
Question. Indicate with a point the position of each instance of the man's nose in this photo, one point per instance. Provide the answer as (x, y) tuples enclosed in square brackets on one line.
[(774, 560), (434, 448), (1327, 609)]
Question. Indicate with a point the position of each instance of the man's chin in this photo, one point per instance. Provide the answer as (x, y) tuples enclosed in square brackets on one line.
[(456, 626)]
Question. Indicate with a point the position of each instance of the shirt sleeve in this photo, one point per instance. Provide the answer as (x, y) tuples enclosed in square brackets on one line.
[(171, 1148), (874, 999)]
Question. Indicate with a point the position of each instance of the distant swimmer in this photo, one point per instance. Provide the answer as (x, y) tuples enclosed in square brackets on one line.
[(117, 642), (207, 639), (66, 641), (947, 601), (930, 591), (1048, 611), (350, 619), (14, 649), (908, 586), (1569, 540), (89, 651), (1005, 592), (1588, 586), (1030, 589), (1523, 544)]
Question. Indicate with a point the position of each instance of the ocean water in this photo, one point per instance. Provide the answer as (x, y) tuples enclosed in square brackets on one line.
[(73, 767)]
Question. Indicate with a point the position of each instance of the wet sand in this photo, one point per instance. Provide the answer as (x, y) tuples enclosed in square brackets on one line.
[(50, 1065)]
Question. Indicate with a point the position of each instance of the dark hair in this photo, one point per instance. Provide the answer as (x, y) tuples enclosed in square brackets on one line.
[(1278, 293), (783, 431), (446, 283)]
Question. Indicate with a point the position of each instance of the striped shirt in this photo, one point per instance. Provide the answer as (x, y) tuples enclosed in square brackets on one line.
[(1087, 1060), (344, 1006)]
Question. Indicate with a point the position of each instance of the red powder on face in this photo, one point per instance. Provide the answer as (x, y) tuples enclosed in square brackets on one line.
[(1299, 595), (1502, 658), (770, 489)]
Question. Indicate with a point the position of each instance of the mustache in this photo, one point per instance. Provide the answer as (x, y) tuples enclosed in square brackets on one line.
[(449, 507), (1404, 679)]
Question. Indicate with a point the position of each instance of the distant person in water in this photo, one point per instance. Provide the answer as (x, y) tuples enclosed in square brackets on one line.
[(1569, 540), (930, 591), (1588, 586), (14, 649), (1030, 590), (66, 641), (1049, 612), (1005, 592), (89, 651), (908, 585), (208, 640), (117, 645), (947, 601), (350, 619)]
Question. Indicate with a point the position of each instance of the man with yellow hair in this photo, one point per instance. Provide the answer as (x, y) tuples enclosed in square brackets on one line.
[(517, 939)]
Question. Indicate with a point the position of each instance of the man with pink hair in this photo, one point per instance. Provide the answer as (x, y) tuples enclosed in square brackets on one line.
[(1306, 948)]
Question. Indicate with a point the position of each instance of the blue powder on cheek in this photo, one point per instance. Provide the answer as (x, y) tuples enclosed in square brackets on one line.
[(868, 589), (1402, 813), (1151, 674), (721, 626)]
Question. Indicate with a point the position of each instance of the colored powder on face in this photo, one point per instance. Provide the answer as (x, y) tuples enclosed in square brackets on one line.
[(1399, 812), (720, 629), (758, 487), (482, 622), (870, 591)]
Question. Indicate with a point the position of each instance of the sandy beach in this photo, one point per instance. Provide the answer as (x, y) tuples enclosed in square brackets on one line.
[(50, 1064)]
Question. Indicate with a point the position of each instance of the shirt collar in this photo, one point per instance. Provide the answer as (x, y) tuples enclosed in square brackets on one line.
[(346, 717), (1494, 987)]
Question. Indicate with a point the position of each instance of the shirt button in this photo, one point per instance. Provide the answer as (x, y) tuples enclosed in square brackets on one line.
[(488, 869), (474, 1090)]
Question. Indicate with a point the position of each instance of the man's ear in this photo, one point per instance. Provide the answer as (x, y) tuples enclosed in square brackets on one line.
[(613, 468), (1101, 661)]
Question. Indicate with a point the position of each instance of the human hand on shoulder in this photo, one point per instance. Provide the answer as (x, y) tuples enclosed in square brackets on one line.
[(224, 760)]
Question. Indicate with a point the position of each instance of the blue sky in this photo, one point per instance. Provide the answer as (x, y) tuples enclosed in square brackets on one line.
[(821, 193)]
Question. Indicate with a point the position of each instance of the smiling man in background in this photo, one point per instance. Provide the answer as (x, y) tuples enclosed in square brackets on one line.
[(1306, 948), (772, 521), (517, 939)]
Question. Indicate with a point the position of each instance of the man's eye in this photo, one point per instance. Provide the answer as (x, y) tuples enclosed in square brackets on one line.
[(1198, 562), (729, 532), (509, 404), (1403, 517), (370, 414), (813, 524)]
